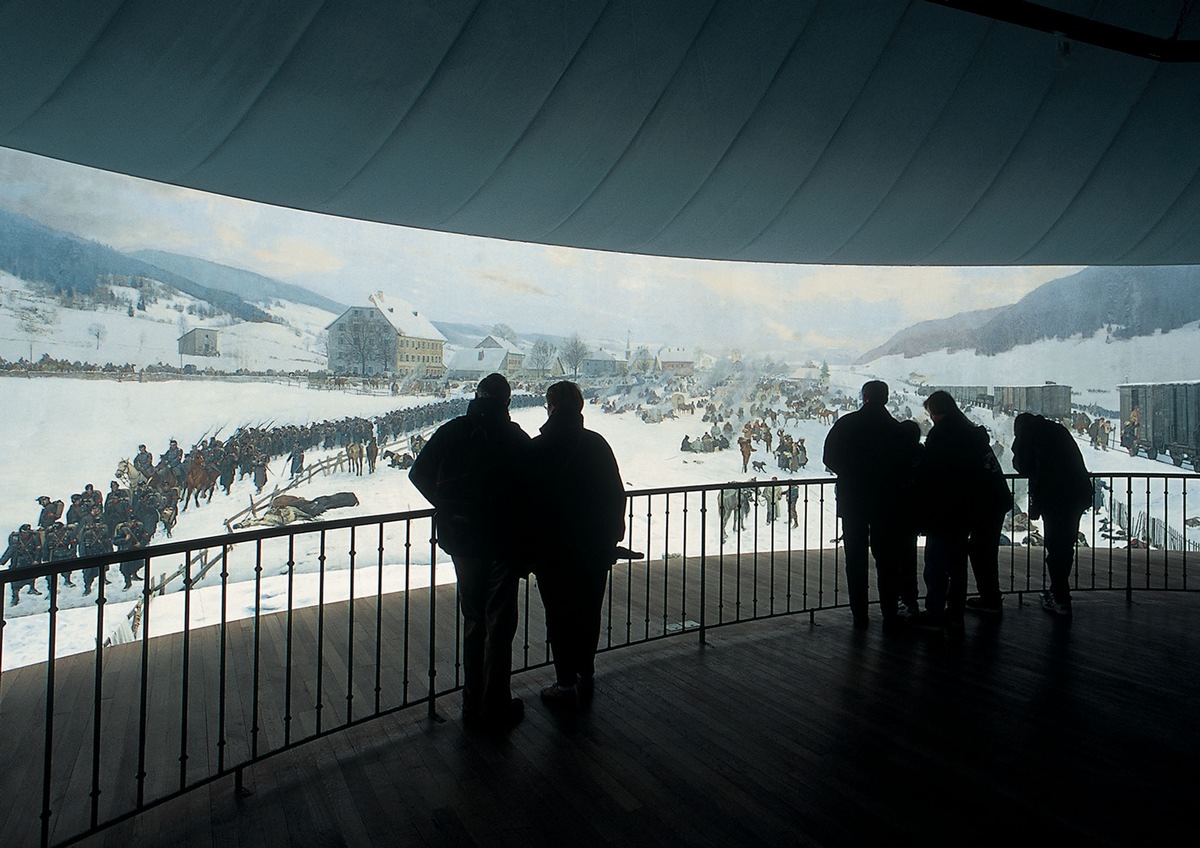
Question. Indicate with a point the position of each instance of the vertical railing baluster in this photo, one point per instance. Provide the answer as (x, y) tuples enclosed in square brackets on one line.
[(222, 662), (804, 590), (788, 586), (754, 557), (666, 564), (404, 681), (433, 624), (320, 705), (350, 634), (821, 548), (1166, 519), (703, 560), (187, 658), (379, 625), (287, 661), (649, 569), (1129, 540), (48, 756), (143, 686), (97, 698), (1183, 557), (1149, 542), (683, 571), (256, 668)]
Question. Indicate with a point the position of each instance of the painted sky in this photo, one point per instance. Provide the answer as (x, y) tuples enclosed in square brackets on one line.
[(790, 310)]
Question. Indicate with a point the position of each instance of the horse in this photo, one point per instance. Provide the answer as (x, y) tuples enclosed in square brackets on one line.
[(128, 472), (826, 416), (198, 480), (354, 452)]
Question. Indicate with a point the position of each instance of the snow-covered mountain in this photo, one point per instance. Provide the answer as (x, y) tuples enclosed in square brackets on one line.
[(1123, 302)]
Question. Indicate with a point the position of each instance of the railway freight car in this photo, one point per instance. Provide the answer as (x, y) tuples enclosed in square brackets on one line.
[(1050, 400), (967, 395), (1162, 418)]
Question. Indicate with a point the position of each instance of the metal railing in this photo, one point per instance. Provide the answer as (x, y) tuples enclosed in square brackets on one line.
[(139, 697)]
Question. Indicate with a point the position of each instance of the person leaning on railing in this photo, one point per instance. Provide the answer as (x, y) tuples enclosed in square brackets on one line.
[(1060, 491)]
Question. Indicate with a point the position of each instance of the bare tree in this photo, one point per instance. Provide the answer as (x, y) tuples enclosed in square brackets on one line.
[(541, 355), (366, 342), (574, 352), (503, 331), (97, 332)]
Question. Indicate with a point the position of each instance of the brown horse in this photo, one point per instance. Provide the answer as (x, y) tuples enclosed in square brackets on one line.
[(354, 452), (200, 478), (826, 416)]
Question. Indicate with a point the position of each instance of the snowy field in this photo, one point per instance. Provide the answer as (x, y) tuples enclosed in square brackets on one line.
[(120, 415)]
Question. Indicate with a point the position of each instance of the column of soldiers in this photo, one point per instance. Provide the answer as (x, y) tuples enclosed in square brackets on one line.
[(128, 518)]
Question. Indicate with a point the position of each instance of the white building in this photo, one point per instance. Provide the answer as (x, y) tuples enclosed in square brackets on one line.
[(387, 337)]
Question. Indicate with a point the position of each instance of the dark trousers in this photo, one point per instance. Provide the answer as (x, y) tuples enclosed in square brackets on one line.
[(946, 572), (1060, 533), (487, 598), (983, 549), (882, 538), (573, 594)]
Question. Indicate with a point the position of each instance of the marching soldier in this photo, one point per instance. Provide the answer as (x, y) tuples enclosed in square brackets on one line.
[(129, 536), (94, 539), (24, 550), (62, 543)]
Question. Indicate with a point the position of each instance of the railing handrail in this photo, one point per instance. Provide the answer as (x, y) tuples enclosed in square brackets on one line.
[(250, 535)]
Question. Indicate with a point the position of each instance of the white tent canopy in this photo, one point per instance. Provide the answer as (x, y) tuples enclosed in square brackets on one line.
[(854, 132)]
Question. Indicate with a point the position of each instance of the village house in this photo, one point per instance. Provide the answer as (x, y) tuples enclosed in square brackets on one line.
[(388, 337)]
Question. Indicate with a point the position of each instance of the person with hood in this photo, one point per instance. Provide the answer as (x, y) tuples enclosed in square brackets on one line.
[(577, 492), (467, 470), (1060, 491)]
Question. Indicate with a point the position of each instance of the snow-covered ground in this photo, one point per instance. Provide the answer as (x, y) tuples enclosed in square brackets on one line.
[(108, 420)]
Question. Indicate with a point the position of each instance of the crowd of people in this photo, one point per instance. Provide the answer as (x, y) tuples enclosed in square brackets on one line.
[(129, 516), (891, 486)]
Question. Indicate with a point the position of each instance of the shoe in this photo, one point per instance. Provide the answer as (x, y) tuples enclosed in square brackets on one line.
[(560, 697), (1049, 604), (983, 607)]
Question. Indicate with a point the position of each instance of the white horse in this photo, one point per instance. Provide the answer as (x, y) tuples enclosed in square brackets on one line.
[(128, 472)]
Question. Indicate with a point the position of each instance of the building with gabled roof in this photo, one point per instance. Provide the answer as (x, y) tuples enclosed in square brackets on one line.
[(387, 337)]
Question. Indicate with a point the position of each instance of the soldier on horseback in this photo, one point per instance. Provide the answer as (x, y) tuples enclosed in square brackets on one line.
[(144, 462), (173, 458)]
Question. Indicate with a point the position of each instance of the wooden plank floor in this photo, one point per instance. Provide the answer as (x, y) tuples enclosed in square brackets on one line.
[(776, 732)]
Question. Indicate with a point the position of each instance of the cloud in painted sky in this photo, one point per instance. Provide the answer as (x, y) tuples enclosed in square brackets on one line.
[(534, 288)]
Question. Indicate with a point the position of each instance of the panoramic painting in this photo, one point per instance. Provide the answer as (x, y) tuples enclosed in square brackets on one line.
[(180, 366)]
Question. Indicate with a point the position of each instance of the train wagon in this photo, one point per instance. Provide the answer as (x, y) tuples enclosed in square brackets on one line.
[(1050, 400), (1162, 418), (966, 396)]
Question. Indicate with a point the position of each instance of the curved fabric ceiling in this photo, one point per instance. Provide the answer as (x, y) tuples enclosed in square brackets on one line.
[(886, 132)]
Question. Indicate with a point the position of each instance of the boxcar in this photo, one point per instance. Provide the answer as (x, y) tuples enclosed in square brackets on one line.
[(1162, 418), (1051, 400)]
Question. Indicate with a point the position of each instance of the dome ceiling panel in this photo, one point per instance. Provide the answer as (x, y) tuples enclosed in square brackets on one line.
[(857, 131)]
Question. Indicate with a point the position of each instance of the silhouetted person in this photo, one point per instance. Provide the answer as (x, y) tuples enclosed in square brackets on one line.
[(1060, 491), (949, 476), (467, 471), (864, 450), (987, 521), (579, 502)]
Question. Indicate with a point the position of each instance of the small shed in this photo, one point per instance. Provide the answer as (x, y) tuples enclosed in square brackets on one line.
[(199, 342)]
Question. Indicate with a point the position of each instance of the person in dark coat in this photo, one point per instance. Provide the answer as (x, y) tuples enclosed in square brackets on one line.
[(468, 471), (579, 499), (1060, 491), (865, 450), (986, 524), (951, 485)]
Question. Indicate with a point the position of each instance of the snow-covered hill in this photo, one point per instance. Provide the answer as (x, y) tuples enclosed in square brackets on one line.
[(1092, 366), (33, 324)]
